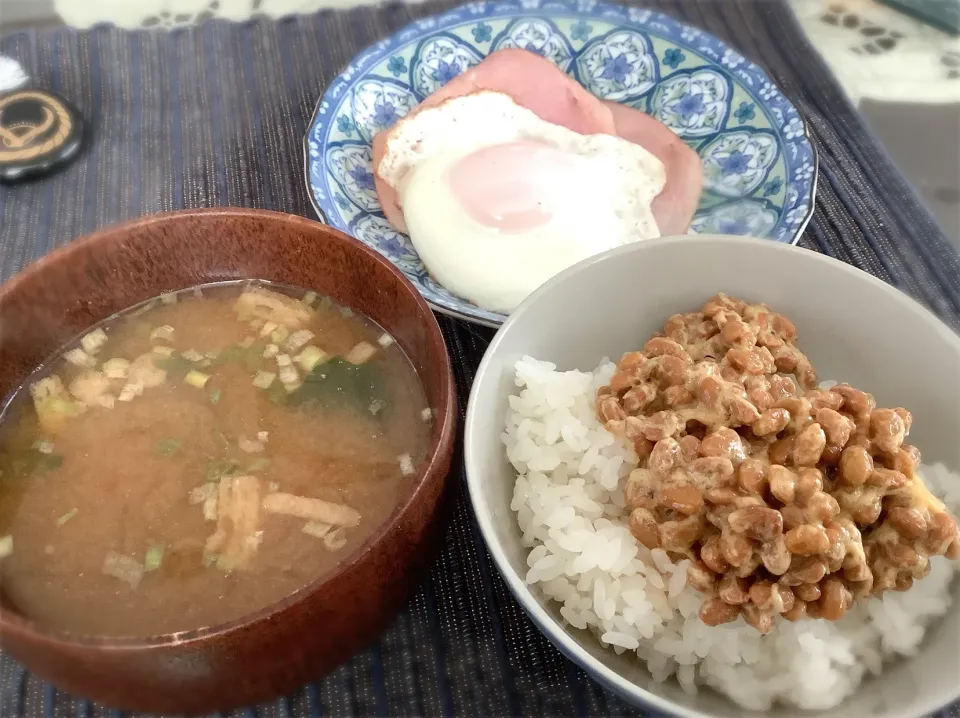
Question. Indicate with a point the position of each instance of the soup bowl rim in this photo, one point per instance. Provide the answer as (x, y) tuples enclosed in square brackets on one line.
[(15, 623)]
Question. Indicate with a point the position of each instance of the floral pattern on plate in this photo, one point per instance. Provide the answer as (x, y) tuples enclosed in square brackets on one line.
[(618, 66), (736, 163), (539, 36), (438, 60), (760, 169), (694, 104), (351, 167), (377, 105), (745, 217), (376, 231)]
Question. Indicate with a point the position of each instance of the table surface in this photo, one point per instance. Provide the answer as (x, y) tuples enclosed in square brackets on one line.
[(215, 115), (905, 74)]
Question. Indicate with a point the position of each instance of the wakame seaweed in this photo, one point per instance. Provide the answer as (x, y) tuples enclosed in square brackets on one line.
[(338, 382), (250, 356), (173, 364)]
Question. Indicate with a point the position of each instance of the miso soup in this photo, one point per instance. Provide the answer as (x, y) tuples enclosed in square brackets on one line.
[(201, 456)]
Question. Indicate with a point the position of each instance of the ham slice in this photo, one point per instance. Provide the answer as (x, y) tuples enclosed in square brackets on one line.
[(540, 86), (674, 207)]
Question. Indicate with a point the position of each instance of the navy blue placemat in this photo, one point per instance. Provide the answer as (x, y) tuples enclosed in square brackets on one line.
[(215, 116)]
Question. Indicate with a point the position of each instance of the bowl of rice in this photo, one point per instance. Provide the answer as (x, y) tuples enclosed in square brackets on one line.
[(546, 479)]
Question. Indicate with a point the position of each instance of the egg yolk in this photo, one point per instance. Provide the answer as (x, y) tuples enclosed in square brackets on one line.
[(512, 187)]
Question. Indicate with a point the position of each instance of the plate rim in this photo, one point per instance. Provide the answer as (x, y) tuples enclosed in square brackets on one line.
[(584, 8)]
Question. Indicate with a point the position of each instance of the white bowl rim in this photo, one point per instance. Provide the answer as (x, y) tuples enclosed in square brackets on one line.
[(560, 636)]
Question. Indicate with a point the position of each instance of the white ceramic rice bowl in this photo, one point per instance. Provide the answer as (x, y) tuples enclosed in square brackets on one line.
[(854, 328)]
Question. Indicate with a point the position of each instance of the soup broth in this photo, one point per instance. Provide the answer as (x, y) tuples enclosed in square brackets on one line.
[(200, 457)]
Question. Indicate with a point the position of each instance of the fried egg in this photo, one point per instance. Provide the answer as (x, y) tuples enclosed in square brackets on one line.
[(498, 201)]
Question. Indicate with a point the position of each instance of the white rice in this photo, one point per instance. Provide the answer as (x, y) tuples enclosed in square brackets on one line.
[(570, 508)]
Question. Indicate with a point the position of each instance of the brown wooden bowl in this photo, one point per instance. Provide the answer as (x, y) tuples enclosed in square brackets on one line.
[(274, 650)]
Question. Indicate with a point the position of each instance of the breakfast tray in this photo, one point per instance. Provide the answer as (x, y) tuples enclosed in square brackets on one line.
[(215, 115)]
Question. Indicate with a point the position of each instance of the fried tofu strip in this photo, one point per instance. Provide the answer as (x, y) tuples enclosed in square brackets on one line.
[(238, 522), (310, 509)]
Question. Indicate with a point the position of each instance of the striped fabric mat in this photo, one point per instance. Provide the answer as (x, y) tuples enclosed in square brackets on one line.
[(215, 116)]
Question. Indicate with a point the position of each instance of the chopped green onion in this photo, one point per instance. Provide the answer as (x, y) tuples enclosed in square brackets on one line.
[(249, 446), (361, 353), (66, 517), (268, 328), (298, 339), (271, 351), (310, 357), (325, 304), (163, 350), (44, 447), (48, 387), (309, 298), (385, 340), (215, 395), (92, 342), (283, 360), (289, 375), (169, 298), (279, 334), (210, 508), (164, 333), (259, 465), (197, 379), (167, 447), (6, 546), (116, 368), (153, 557), (317, 529), (346, 312), (264, 379), (192, 355), (78, 357)]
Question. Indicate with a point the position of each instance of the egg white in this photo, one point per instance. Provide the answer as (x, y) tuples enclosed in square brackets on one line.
[(602, 203)]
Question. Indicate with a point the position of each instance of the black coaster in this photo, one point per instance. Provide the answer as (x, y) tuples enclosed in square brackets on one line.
[(39, 132)]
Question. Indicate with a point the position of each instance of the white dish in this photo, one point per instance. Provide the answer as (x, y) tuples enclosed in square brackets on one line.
[(853, 327)]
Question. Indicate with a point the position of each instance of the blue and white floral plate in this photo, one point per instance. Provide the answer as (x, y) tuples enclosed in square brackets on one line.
[(759, 165)]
